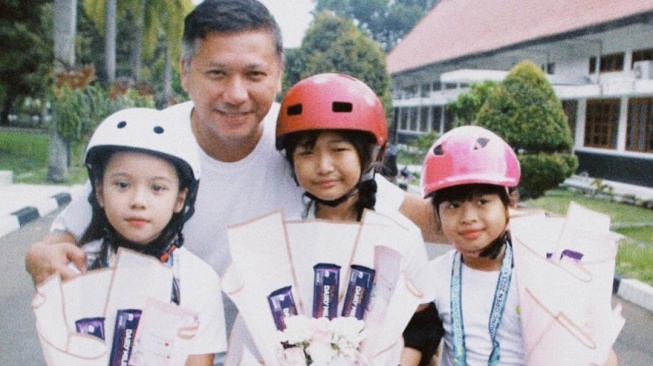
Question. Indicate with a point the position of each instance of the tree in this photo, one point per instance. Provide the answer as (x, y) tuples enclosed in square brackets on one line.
[(469, 103), (149, 22), (385, 20), (334, 44), (524, 110), (27, 52), (65, 26)]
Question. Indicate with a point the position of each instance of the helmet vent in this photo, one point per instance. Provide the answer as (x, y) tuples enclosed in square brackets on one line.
[(121, 124), (438, 150), (158, 130), (342, 107), (481, 142), (295, 110)]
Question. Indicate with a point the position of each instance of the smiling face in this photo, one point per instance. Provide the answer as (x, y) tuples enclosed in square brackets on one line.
[(473, 223), (328, 169), (232, 79), (139, 193)]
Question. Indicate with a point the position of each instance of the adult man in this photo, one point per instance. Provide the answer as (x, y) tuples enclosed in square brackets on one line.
[(232, 69)]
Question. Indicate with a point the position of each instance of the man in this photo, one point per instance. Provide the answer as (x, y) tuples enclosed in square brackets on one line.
[(231, 68)]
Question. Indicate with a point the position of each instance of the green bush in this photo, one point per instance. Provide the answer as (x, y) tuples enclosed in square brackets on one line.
[(544, 171)]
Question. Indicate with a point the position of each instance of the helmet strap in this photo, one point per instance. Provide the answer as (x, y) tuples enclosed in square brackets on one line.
[(493, 250)]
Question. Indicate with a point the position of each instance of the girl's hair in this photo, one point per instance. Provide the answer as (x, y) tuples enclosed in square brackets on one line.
[(466, 192), (365, 145)]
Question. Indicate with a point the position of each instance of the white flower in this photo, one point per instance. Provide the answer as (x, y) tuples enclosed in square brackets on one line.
[(322, 342)]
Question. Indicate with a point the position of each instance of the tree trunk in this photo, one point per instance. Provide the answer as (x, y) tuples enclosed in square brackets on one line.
[(167, 77), (137, 46), (65, 27), (6, 107), (110, 40)]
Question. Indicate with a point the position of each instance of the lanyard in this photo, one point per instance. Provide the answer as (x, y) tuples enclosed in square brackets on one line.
[(498, 306)]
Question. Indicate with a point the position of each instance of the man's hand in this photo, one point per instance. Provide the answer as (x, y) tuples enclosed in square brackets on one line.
[(53, 255)]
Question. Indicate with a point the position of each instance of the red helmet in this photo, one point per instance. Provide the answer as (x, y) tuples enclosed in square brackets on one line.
[(331, 102), (469, 155)]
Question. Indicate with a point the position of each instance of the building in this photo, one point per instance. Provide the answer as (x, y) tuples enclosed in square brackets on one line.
[(597, 54)]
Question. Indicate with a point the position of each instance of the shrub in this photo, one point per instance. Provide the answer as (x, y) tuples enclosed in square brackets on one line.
[(524, 110)]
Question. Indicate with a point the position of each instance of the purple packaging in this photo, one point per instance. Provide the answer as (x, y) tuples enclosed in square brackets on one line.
[(123, 336), (92, 326), (282, 306), (325, 290), (359, 289)]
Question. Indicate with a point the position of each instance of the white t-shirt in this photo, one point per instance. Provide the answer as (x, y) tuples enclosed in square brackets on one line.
[(230, 193), (477, 297), (200, 291)]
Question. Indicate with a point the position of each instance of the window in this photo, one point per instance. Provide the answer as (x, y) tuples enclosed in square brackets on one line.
[(423, 119), (611, 62), (640, 125), (412, 118), (425, 90), (601, 123), (403, 119), (436, 112), (642, 55), (550, 68), (571, 107)]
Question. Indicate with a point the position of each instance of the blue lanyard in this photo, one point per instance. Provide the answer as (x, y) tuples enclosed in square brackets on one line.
[(498, 306)]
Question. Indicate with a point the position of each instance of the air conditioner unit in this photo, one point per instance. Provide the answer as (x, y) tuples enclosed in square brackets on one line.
[(643, 69)]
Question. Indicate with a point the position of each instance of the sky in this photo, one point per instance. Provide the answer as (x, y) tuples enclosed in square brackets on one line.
[(293, 17)]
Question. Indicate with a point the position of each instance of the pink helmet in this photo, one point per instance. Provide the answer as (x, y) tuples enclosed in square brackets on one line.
[(469, 155)]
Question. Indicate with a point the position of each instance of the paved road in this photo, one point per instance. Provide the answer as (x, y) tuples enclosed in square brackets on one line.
[(19, 344)]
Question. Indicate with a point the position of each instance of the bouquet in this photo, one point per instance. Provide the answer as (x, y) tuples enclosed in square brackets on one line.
[(321, 341), (322, 320)]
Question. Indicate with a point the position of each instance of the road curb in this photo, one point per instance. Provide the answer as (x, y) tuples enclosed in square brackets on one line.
[(21, 217)]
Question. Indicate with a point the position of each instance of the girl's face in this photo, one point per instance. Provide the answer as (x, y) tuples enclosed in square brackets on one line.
[(329, 169), (473, 224), (139, 193)]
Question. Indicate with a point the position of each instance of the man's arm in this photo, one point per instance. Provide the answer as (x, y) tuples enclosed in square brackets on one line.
[(420, 211), (53, 254)]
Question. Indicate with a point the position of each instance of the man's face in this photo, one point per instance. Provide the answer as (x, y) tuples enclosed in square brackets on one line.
[(232, 81)]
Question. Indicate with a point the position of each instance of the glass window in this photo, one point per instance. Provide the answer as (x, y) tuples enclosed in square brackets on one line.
[(601, 122), (640, 125)]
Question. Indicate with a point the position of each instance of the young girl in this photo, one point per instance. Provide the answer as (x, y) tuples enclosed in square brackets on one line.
[(468, 173), (144, 171), (332, 129)]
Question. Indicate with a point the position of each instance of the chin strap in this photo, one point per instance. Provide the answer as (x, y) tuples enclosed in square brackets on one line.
[(493, 250)]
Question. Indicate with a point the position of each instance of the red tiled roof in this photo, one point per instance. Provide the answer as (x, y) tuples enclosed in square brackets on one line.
[(458, 28)]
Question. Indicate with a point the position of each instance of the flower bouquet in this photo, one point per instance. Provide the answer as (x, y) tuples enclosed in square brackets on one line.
[(565, 269), (313, 318), (104, 317)]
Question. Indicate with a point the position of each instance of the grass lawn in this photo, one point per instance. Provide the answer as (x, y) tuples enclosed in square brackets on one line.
[(26, 154), (635, 255)]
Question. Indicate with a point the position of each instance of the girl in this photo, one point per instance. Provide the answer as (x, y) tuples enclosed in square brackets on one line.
[(144, 171), (332, 129), (468, 173)]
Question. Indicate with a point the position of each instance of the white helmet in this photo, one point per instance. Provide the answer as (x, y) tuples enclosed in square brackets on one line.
[(147, 130)]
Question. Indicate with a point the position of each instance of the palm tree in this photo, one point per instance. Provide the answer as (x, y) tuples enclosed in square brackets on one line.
[(65, 28), (154, 22)]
